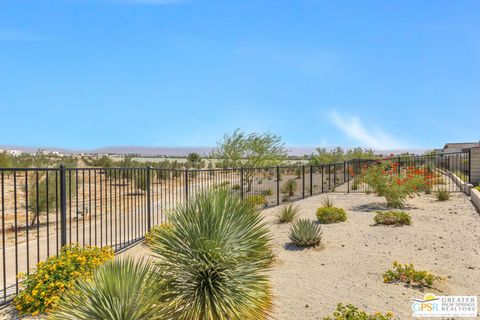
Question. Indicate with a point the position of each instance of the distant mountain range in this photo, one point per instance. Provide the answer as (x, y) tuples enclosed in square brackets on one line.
[(177, 151)]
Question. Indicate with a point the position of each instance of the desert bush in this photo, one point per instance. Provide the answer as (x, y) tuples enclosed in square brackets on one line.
[(285, 198), (393, 218), (384, 179), (331, 215), (305, 233), (212, 265), (267, 192), (406, 273), (43, 287), (290, 187), (236, 187), (151, 234), (478, 187), (287, 213), (351, 312), (442, 195), (119, 290), (256, 200)]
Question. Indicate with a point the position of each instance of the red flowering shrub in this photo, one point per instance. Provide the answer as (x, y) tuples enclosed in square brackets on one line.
[(394, 183)]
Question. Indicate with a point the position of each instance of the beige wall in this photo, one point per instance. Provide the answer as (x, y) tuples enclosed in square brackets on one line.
[(475, 165)]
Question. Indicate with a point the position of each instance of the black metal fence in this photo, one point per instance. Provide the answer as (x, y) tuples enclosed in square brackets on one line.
[(43, 209)]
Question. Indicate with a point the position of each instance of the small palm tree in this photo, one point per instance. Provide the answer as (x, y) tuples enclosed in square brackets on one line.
[(120, 290), (213, 260)]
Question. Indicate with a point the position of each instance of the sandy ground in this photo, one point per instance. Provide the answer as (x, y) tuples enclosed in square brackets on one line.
[(348, 266)]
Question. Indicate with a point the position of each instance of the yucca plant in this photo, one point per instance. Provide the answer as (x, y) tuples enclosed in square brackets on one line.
[(290, 187), (213, 262), (119, 290), (305, 233), (287, 213)]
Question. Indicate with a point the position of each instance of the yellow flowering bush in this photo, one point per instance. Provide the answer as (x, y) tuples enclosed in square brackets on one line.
[(150, 235), (351, 312), (406, 273), (44, 286)]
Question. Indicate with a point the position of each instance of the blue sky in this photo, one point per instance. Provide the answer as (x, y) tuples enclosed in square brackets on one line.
[(382, 74)]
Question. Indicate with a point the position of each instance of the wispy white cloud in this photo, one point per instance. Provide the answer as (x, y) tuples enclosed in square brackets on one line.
[(150, 2), (20, 36), (374, 138)]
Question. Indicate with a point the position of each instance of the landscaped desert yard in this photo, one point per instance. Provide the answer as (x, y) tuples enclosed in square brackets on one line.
[(444, 238)]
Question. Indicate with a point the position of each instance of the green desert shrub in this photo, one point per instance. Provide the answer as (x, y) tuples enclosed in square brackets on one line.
[(267, 192), (236, 187), (478, 187), (331, 215), (442, 195), (407, 274), (213, 263), (305, 233), (393, 218), (351, 312), (290, 187), (119, 290), (287, 213)]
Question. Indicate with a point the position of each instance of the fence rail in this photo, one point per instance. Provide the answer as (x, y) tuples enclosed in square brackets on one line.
[(43, 209)]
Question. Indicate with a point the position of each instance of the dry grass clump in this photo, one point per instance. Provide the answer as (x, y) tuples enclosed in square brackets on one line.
[(442, 195)]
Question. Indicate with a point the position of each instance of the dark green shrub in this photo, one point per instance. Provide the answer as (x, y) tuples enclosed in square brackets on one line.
[(393, 218), (305, 233), (331, 215)]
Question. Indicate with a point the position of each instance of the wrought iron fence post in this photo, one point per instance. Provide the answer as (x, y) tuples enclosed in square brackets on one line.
[(278, 185), (311, 180), (63, 207), (469, 165), (303, 181), (186, 185), (241, 183), (348, 176), (149, 212)]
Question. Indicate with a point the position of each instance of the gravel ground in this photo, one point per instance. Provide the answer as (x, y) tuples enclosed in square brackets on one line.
[(443, 239)]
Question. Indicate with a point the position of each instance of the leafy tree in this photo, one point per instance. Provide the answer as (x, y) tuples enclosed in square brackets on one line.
[(194, 157), (337, 154), (251, 150)]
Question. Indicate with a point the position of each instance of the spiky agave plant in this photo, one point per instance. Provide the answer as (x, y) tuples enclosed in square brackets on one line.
[(214, 260), (119, 290), (305, 233)]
